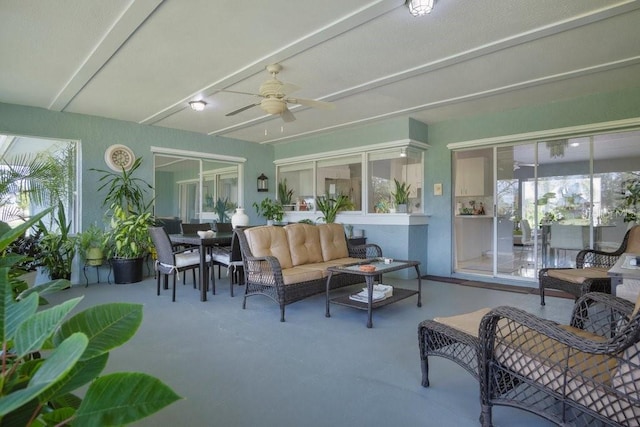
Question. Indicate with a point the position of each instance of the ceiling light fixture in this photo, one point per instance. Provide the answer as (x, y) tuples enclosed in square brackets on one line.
[(420, 7), (197, 105)]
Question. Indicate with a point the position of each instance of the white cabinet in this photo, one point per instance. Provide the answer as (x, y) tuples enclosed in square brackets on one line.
[(413, 174), (470, 176)]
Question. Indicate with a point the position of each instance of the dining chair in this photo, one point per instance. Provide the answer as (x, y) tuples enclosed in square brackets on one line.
[(170, 262), (230, 257)]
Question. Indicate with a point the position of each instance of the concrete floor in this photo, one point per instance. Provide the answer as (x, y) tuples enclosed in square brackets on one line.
[(239, 367)]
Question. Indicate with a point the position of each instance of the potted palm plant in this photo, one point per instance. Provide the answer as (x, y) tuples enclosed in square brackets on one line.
[(128, 240), (401, 195)]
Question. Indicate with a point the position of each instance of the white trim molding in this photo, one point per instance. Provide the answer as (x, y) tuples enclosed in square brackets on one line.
[(571, 131), (197, 154)]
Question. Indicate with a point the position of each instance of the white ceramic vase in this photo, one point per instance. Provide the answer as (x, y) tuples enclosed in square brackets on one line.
[(239, 219)]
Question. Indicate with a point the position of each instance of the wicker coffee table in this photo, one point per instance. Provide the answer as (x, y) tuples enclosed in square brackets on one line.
[(370, 276)]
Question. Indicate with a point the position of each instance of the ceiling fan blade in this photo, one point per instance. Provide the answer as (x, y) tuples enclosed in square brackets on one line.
[(240, 93), (312, 103), (287, 116), (240, 110)]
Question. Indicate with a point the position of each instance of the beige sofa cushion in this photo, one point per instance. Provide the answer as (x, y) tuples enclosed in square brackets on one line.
[(269, 241), (304, 243), (298, 275), (333, 241), (578, 275), (633, 244)]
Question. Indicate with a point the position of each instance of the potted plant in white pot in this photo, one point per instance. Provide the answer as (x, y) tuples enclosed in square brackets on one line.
[(401, 196)]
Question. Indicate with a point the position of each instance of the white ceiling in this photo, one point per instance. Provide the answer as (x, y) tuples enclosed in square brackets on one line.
[(143, 60)]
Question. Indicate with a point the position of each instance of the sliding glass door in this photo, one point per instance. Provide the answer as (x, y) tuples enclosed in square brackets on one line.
[(552, 199)]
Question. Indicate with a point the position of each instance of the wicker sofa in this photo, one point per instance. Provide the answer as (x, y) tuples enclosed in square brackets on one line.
[(290, 263)]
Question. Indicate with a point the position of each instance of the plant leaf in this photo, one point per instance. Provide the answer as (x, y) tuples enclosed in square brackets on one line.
[(82, 373), (123, 398), (60, 361), (33, 332), (107, 326), (13, 313)]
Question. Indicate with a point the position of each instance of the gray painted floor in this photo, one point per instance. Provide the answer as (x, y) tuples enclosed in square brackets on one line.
[(239, 367)]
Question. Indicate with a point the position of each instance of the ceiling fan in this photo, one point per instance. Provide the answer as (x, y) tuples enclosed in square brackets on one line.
[(274, 96)]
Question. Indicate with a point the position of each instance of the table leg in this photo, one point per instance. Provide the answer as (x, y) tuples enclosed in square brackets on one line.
[(369, 280), (326, 314), (419, 287), (204, 281)]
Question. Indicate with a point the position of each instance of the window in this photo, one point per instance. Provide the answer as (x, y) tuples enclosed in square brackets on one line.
[(299, 179), (387, 167), (341, 175)]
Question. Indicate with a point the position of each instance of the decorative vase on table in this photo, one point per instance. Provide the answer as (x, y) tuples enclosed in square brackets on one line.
[(239, 219)]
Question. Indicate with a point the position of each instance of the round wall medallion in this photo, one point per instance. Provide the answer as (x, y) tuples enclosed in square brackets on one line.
[(119, 156)]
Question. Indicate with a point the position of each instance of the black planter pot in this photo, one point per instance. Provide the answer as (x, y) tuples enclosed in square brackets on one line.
[(127, 270)]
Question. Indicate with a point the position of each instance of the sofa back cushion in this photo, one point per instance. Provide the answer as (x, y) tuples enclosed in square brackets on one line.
[(304, 243), (269, 241), (633, 244), (333, 241)]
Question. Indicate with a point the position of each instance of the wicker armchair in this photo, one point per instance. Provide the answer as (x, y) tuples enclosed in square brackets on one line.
[(585, 373), (590, 274)]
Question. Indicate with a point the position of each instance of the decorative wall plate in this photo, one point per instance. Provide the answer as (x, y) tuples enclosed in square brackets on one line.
[(119, 156)]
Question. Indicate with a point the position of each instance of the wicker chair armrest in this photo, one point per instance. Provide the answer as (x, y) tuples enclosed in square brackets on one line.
[(265, 270), (510, 320), (595, 258), (368, 250)]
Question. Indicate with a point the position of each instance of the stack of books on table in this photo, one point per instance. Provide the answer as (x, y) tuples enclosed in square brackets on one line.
[(380, 292)]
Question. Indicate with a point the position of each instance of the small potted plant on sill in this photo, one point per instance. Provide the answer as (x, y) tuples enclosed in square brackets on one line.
[(331, 206), (285, 195), (401, 195), (271, 210)]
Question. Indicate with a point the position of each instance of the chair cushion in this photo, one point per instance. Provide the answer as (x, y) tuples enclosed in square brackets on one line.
[(578, 275), (633, 243), (333, 241), (187, 259), (270, 241), (304, 243), (467, 323)]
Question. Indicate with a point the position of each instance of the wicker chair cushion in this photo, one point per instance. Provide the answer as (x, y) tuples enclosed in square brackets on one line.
[(333, 242), (304, 243), (294, 275), (633, 244), (467, 323), (578, 275), (269, 241)]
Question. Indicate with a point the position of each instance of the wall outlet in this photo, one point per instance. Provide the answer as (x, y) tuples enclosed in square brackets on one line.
[(437, 189)]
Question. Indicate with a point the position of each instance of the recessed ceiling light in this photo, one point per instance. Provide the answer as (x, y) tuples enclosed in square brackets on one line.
[(574, 144)]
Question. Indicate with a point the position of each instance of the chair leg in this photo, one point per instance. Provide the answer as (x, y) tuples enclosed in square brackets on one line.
[(541, 295), (212, 272), (174, 287), (158, 274), (193, 271)]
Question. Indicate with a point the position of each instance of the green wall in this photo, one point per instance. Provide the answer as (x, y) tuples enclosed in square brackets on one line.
[(96, 134)]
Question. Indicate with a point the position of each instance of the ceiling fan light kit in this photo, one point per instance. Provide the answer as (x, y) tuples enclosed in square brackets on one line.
[(420, 7)]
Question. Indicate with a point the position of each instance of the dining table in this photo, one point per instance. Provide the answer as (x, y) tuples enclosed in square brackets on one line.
[(220, 238)]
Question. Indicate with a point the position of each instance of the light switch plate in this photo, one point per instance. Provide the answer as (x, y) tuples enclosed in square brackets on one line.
[(437, 189)]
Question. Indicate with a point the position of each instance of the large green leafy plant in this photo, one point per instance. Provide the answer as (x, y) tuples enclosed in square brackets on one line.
[(45, 357), (270, 209), (129, 234), (124, 189)]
